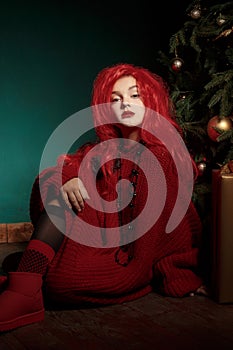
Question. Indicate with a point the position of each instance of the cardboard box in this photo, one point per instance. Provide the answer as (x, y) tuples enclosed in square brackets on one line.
[(222, 229)]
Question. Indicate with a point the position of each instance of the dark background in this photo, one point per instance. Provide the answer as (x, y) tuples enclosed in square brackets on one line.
[(50, 52)]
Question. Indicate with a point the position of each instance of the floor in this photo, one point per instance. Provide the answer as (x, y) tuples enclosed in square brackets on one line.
[(151, 322)]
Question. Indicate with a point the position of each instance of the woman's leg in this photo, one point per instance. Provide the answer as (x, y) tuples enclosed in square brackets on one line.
[(21, 303), (48, 231), (45, 241)]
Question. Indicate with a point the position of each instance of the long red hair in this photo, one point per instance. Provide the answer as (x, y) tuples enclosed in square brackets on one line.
[(154, 93)]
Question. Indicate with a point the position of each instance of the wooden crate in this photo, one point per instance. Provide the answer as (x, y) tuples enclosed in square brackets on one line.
[(15, 232)]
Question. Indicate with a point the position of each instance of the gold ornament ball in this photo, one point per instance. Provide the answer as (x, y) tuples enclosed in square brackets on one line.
[(195, 13), (223, 124)]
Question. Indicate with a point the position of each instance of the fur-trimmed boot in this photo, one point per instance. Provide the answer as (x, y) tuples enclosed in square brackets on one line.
[(21, 302)]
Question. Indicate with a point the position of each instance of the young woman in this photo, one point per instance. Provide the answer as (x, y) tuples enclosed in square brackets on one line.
[(101, 215)]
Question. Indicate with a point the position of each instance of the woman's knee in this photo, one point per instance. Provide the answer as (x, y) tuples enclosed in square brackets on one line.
[(55, 202)]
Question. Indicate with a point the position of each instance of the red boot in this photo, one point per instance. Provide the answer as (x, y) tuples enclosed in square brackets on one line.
[(22, 302)]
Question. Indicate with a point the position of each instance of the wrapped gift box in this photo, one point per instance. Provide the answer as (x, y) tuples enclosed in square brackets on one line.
[(222, 229)]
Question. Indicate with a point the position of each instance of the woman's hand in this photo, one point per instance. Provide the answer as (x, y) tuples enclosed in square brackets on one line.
[(74, 193), (202, 290)]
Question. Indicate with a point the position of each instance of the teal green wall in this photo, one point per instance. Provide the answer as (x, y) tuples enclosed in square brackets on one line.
[(50, 52), (49, 55)]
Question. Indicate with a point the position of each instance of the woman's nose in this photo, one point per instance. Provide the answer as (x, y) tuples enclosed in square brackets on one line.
[(125, 103)]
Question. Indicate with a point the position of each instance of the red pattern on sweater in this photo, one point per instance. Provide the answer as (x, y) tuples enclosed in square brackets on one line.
[(168, 262)]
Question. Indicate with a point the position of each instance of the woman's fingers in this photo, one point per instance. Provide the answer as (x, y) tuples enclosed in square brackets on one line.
[(76, 200), (65, 197), (83, 190), (74, 194), (202, 290)]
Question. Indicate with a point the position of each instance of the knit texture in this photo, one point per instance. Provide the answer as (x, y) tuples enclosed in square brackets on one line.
[(36, 257), (166, 262)]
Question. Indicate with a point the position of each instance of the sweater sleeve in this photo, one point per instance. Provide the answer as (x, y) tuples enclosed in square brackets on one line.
[(49, 181), (176, 270), (68, 165), (177, 273)]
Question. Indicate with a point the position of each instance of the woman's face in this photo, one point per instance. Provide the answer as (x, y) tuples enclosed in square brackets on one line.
[(126, 103)]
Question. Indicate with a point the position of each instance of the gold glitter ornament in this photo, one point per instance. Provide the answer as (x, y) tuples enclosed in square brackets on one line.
[(222, 124)]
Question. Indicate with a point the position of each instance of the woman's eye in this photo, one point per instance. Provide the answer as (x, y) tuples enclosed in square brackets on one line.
[(136, 95), (116, 99)]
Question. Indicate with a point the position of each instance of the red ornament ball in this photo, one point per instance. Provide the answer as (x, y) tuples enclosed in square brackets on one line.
[(222, 124), (176, 64)]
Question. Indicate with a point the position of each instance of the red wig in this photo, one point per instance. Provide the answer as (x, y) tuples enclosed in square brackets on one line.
[(153, 92)]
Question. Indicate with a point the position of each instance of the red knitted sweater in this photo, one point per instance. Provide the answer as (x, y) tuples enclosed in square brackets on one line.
[(166, 262)]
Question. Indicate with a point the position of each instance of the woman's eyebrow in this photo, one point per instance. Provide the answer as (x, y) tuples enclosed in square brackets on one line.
[(130, 88)]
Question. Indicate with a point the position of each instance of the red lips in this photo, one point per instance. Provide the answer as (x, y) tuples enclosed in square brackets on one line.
[(127, 114)]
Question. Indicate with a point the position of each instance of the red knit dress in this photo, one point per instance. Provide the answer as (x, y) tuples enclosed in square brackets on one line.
[(165, 262)]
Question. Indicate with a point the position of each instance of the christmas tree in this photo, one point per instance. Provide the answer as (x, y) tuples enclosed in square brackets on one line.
[(199, 71)]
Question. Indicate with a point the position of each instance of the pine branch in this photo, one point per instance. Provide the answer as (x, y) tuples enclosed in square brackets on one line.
[(203, 87), (229, 155), (196, 131), (225, 136), (219, 79)]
